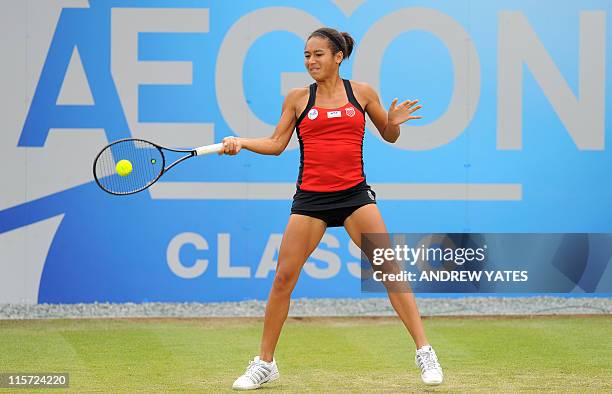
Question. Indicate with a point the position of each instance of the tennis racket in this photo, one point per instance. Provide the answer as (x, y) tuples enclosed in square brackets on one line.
[(131, 165)]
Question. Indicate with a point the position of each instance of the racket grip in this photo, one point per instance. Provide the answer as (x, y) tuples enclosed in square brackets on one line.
[(207, 149)]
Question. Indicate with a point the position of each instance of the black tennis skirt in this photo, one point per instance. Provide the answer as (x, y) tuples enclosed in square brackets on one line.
[(326, 205)]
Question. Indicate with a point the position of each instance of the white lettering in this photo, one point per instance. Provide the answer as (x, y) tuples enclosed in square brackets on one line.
[(173, 255), (466, 92), (129, 73), (230, 63), (584, 118), (224, 268)]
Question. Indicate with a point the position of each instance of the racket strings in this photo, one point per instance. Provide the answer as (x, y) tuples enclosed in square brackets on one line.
[(146, 162)]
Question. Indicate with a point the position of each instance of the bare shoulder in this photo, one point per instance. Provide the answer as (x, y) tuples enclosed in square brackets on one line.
[(364, 92), (297, 99), (295, 95)]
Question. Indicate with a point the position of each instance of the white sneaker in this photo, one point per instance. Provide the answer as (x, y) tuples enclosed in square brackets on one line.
[(257, 373), (431, 371)]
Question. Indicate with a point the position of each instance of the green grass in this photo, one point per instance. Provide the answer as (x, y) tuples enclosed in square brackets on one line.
[(315, 355)]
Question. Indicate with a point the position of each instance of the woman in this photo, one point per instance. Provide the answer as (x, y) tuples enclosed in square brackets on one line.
[(329, 118)]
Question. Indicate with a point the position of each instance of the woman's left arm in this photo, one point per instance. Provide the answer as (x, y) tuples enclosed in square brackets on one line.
[(387, 122)]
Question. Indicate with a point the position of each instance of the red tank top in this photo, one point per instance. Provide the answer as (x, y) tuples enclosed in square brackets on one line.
[(331, 144)]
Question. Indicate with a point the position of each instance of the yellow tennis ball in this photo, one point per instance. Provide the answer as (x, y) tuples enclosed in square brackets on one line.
[(123, 167)]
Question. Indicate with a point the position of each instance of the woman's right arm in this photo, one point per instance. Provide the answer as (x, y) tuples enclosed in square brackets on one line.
[(277, 142)]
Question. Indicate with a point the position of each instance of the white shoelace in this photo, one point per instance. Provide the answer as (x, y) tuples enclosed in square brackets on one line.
[(428, 361)]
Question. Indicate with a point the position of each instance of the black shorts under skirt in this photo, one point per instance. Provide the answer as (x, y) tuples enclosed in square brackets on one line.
[(332, 207)]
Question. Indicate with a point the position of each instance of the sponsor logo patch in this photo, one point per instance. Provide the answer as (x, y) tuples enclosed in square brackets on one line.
[(312, 114), (334, 114)]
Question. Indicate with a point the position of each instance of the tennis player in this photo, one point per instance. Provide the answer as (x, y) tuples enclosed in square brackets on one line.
[(329, 118)]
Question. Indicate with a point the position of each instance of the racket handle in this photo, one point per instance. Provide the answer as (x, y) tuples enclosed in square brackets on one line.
[(207, 149)]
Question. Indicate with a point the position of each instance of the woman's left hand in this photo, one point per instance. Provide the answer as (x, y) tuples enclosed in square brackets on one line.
[(399, 114)]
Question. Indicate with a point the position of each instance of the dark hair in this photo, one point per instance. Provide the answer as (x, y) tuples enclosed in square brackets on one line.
[(339, 41)]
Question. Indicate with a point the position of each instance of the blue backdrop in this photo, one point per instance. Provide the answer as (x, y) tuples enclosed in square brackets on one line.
[(514, 136)]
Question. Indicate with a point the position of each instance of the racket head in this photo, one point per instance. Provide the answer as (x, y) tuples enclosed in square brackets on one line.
[(147, 161)]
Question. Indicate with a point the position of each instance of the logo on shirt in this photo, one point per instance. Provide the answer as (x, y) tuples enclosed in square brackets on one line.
[(350, 111), (312, 114), (334, 114)]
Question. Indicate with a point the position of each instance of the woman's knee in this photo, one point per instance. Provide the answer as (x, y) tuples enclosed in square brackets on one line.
[(285, 281)]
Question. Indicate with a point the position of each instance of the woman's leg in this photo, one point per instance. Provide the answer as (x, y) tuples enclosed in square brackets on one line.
[(301, 237), (367, 219)]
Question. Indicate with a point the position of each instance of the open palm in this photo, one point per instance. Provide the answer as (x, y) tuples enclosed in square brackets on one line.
[(401, 113)]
